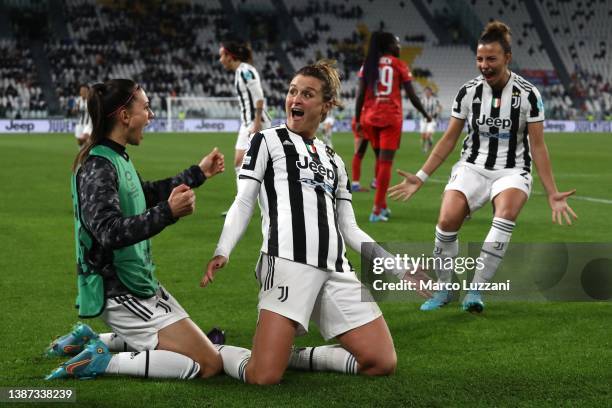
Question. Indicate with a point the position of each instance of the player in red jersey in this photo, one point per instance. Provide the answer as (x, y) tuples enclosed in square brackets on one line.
[(380, 81)]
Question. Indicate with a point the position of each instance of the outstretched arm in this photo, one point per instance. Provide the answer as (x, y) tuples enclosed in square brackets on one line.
[(236, 222), (354, 236), (238, 217), (412, 183), (415, 99), (556, 199)]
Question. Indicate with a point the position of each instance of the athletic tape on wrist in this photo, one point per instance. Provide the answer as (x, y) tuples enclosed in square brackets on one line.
[(422, 175)]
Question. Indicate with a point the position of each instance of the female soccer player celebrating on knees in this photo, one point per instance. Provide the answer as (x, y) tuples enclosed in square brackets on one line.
[(379, 94), (115, 216), (505, 116), (238, 57), (307, 221)]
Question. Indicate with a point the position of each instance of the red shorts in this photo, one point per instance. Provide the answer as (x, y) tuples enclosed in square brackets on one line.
[(384, 138)]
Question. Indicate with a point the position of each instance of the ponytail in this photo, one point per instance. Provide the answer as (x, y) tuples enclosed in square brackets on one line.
[(103, 101)]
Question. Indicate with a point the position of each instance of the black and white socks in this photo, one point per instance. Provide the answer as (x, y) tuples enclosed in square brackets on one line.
[(153, 364), (446, 249), (494, 249), (323, 358)]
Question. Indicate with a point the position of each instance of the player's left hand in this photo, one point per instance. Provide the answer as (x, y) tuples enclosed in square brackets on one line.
[(407, 188), (428, 118), (560, 208), (213, 266), (213, 163)]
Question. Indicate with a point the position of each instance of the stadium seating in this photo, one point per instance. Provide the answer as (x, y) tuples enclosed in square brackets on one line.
[(20, 93), (172, 49)]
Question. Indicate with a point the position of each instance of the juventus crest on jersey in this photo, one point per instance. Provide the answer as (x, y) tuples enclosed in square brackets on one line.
[(300, 183), (249, 90), (497, 122)]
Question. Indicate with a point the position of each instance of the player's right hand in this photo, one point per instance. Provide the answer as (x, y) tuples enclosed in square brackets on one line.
[(181, 201), (213, 266), (213, 163), (404, 190)]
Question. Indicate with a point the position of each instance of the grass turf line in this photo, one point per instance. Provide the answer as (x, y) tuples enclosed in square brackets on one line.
[(519, 354)]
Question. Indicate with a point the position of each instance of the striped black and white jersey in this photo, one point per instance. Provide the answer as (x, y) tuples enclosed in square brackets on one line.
[(83, 115), (497, 122), (301, 181), (431, 105), (248, 88)]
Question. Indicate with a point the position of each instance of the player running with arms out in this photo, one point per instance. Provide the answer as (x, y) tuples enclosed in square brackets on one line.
[(83, 127), (116, 214), (505, 115), (379, 95), (238, 57), (433, 108), (307, 222)]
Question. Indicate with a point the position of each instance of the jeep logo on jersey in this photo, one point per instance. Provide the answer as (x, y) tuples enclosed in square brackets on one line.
[(319, 169), (497, 122)]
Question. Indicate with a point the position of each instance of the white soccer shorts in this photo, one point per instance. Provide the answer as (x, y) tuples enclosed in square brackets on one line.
[(242, 141), (480, 185), (335, 301), (80, 129), (428, 127), (137, 321)]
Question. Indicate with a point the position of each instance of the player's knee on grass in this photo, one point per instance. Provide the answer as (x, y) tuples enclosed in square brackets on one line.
[(379, 364), (209, 367), (264, 377)]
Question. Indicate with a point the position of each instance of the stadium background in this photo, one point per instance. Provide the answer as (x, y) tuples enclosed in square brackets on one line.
[(518, 353)]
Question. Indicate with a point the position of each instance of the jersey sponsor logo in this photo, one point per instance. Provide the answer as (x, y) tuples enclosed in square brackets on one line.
[(476, 100), (305, 163), (315, 183), (284, 293), (497, 122), (490, 135), (246, 161)]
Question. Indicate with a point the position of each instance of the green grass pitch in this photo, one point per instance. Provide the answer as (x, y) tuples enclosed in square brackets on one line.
[(515, 354)]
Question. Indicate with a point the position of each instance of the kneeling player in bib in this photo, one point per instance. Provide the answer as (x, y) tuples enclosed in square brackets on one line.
[(307, 221), (116, 213), (506, 116)]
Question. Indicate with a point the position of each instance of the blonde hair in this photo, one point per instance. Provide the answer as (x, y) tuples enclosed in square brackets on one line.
[(325, 71)]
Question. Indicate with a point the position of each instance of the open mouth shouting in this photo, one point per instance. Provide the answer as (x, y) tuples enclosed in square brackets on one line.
[(297, 112)]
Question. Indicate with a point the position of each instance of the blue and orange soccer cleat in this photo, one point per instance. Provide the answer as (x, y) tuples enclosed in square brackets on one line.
[(72, 343), (89, 363), (473, 302), (439, 299)]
